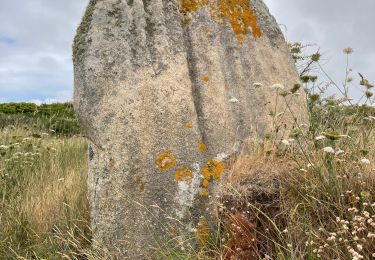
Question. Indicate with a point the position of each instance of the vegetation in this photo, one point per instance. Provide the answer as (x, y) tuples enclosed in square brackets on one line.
[(309, 196), (56, 119)]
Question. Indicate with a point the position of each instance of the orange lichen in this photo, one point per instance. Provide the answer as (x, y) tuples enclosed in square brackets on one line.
[(213, 169), (202, 148), (205, 78), (191, 6), (165, 160), (204, 192), (205, 183), (183, 173), (241, 17), (239, 13), (188, 126)]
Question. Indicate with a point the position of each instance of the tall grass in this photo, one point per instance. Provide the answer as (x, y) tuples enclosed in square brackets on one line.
[(43, 204), (325, 174)]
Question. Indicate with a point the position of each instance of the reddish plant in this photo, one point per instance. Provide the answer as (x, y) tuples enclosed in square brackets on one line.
[(242, 244)]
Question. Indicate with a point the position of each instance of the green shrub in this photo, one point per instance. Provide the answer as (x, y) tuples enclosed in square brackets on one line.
[(57, 118)]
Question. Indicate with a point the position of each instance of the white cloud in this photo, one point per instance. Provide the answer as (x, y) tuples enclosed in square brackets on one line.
[(332, 25), (35, 48)]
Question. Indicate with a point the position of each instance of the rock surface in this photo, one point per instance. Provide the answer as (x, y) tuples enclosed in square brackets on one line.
[(166, 90)]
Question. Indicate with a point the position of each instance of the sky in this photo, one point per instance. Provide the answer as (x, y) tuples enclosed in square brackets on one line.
[(36, 38)]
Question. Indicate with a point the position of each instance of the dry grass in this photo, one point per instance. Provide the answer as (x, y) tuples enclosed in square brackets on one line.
[(43, 208)]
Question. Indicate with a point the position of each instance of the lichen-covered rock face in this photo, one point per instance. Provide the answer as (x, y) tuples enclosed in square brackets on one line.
[(167, 90)]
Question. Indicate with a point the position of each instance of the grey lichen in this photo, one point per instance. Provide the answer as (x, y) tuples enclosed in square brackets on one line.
[(80, 41)]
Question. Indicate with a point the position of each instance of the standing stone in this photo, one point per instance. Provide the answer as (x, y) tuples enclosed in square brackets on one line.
[(166, 90)]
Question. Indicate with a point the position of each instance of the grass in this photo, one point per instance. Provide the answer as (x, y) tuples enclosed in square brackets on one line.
[(43, 204), (310, 196)]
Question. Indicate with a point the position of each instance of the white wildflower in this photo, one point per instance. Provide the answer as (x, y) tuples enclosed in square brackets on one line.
[(320, 137), (277, 86), (355, 210), (221, 157), (365, 161), (233, 100), (310, 165), (328, 149), (4, 147), (339, 152), (285, 142)]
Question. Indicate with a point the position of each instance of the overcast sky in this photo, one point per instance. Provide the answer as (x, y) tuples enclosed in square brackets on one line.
[(36, 37)]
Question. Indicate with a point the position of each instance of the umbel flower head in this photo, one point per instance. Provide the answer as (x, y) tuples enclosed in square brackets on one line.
[(320, 137), (328, 149), (278, 86), (365, 161)]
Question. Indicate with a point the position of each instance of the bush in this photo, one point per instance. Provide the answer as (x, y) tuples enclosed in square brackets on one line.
[(57, 118)]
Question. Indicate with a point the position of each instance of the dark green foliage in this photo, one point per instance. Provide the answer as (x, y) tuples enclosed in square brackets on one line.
[(57, 118)]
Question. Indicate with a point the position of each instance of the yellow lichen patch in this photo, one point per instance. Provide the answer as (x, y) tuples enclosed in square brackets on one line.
[(205, 78), (205, 183), (238, 12), (183, 173), (191, 6), (204, 192), (188, 126), (165, 160), (240, 16), (213, 169), (202, 148)]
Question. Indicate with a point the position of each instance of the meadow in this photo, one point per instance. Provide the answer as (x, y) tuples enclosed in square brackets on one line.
[(309, 196)]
